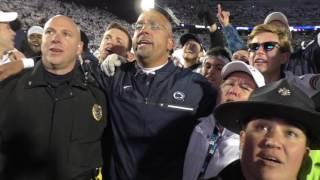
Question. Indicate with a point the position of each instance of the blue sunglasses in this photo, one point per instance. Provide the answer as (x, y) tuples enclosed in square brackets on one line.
[(267, 46)]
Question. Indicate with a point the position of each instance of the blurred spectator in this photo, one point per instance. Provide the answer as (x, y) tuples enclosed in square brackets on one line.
[(6, 35), (7, 51), (32, 48), (116, 40), (211, 146), (192, 51), (20, 37), (212, 64), (86, 53), (241, 55)]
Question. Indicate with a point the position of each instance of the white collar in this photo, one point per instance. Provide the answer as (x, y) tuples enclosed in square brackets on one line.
[(151, 70)]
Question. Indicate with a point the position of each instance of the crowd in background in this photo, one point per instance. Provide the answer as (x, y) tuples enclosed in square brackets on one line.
[(93, 20), (149, 104), (256, 11)]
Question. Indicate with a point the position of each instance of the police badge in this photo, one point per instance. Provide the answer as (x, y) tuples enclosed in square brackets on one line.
[(97, 112)]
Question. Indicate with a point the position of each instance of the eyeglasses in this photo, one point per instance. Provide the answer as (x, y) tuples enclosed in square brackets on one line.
[(152, 26), (267, 46)]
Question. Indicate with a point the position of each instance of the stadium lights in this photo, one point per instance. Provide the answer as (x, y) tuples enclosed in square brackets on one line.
[(147, 4), (242, 28), (200, 26), (246, 28), (291, 28)]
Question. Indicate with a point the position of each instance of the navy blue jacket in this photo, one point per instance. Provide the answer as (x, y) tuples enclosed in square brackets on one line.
[(152, 119)]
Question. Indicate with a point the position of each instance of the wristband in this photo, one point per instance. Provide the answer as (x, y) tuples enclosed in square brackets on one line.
[(27, 63)]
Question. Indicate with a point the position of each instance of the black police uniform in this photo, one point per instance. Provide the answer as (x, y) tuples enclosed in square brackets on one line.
[(51, 126)]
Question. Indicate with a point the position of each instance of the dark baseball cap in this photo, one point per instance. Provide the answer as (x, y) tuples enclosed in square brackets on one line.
[(186, 37)]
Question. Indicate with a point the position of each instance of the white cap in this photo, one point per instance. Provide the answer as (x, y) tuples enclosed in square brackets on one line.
[(240, 66), (276, 16), (35, 30), (7, 16)]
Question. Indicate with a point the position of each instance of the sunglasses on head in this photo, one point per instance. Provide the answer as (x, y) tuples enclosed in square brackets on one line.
[(267, 46)]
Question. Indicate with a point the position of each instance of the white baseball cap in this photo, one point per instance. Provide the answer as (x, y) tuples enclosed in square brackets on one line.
[(8, 16), (240, 66), (35, 30), (276, 16)]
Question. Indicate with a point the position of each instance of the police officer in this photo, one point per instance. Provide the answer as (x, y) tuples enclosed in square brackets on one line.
[(54, 114)]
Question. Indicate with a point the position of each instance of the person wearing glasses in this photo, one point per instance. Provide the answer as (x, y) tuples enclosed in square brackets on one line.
[(212, 64), (154, 105), (269, 51), (303, 60)]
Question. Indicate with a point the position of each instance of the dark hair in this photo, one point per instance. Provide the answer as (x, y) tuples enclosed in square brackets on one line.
[(115, 25), (164, 12), (15, 25), (85, 40), (219, 51), (244, 48), (285, 43)]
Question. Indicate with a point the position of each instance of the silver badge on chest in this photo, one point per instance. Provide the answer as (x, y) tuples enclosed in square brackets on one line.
[(97, 112)]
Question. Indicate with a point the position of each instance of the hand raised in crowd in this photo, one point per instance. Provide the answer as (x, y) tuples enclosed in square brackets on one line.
[(213, 27), (11, 68), (223, 16)]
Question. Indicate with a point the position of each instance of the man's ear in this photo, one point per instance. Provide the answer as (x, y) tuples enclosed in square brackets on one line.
[(242, 139), (307, 151), (202, 53), (80, 48), (170, 44)]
